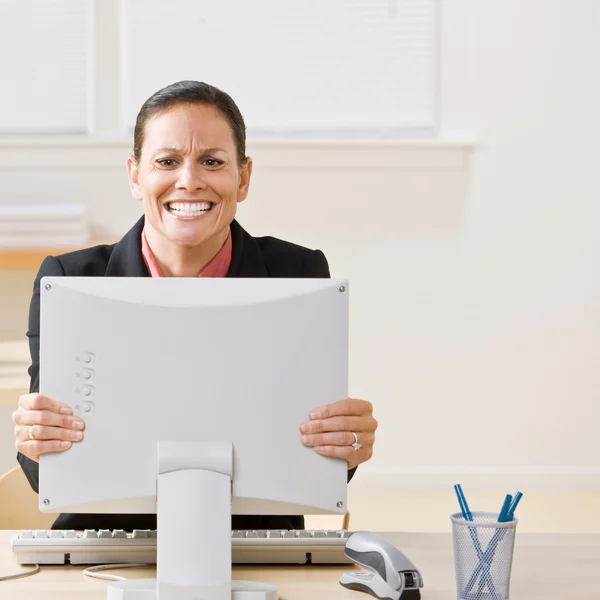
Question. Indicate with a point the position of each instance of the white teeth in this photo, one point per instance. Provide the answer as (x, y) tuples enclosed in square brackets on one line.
[(189, 209)]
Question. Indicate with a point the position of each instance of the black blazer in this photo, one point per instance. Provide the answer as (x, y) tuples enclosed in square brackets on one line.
[(251, 257)]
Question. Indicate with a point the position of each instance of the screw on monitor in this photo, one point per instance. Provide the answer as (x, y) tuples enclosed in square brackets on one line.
[(46, 501), (48, 286), (342, 288), (340, 504)]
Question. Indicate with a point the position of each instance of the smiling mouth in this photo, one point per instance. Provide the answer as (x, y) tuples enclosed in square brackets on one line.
[(189, 209)]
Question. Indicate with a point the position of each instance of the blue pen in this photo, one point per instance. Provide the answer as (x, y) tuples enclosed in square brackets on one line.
[(466, 513), (488, 555), (462, 502), (505, 510), (498, 536), (513, 505)]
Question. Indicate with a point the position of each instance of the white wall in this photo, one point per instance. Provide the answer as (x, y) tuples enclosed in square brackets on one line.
[(520, 326), (476, 321), (475, 294)]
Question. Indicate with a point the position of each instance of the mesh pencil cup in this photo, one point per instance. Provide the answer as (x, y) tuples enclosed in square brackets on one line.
[(483, 553)]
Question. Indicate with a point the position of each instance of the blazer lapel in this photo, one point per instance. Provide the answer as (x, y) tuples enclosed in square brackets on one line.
[(126, 259), (246, 256)]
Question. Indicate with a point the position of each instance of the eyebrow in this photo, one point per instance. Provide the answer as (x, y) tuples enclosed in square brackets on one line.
[(178, 151)]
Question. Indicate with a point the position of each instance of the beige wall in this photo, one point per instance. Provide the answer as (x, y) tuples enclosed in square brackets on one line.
[(474, 274)]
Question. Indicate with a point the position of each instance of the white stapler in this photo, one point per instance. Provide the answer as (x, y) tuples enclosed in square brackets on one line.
[(390, 575)]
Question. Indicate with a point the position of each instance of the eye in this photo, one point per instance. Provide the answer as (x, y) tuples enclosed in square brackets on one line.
[(212, 163), (166, 162)]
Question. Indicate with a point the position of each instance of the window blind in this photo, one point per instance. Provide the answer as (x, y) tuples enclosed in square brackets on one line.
[(304, 67), (43, 69)]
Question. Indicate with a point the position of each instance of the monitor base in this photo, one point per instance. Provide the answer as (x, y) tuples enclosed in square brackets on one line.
[(145, 589), (193, 495)]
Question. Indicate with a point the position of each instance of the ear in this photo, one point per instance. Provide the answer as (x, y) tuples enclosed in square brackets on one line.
[(133, 173), (244, 182)]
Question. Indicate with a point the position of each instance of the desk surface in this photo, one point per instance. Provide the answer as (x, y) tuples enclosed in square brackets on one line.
[(546, 567), (31, 258)]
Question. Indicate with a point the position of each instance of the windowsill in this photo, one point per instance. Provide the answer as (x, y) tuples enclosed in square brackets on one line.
[(84, 141), (446, 151)]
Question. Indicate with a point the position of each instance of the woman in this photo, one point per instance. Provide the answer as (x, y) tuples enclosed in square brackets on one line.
[(189, 169)]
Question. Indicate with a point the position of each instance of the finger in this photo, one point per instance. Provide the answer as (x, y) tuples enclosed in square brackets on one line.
[(49, 419), (351, 456), (40, 432), (336, 451), (345, 423), (341, 438), (349, 406), (40, 402), (34, 448)]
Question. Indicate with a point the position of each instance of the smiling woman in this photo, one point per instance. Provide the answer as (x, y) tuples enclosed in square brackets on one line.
[(190, 170)]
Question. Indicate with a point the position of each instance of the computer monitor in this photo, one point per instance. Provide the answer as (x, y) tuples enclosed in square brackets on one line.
[(193, 391)]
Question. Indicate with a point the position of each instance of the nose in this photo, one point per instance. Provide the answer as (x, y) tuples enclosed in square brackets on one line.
[(190, 178)]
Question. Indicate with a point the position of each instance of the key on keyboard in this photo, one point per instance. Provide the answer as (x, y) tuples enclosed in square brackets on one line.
[(92, 547)]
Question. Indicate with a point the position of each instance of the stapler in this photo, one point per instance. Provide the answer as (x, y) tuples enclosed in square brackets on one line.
[(390, 576)]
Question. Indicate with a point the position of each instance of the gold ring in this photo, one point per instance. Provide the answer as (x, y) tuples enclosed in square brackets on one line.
[(30, 434)]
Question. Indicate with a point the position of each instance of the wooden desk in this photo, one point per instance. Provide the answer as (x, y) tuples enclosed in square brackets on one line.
[(546, 567), (31, 258)]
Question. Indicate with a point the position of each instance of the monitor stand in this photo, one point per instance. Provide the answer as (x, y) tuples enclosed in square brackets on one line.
[(194, 530)]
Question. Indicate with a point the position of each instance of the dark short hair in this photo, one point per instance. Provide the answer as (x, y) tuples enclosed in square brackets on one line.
[(191, 92)]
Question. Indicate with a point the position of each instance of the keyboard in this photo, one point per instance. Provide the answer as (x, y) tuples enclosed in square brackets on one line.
[(105, 546)]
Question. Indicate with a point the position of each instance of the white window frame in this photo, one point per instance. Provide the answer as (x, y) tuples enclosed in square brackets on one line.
[(353, 129), (107, 138), (106, 110)]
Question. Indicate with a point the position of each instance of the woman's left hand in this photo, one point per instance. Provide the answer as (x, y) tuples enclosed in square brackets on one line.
[(331, 430)]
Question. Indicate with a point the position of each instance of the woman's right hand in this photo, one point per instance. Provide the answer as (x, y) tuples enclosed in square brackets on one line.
[(44, 425)]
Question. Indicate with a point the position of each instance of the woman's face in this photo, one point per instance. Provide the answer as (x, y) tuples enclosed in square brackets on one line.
[(188, 176)]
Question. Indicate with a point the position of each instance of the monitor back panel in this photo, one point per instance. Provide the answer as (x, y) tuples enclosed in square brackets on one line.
[(243, 360)]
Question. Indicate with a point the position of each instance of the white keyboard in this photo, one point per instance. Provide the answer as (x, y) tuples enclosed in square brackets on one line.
[(105, 546)]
